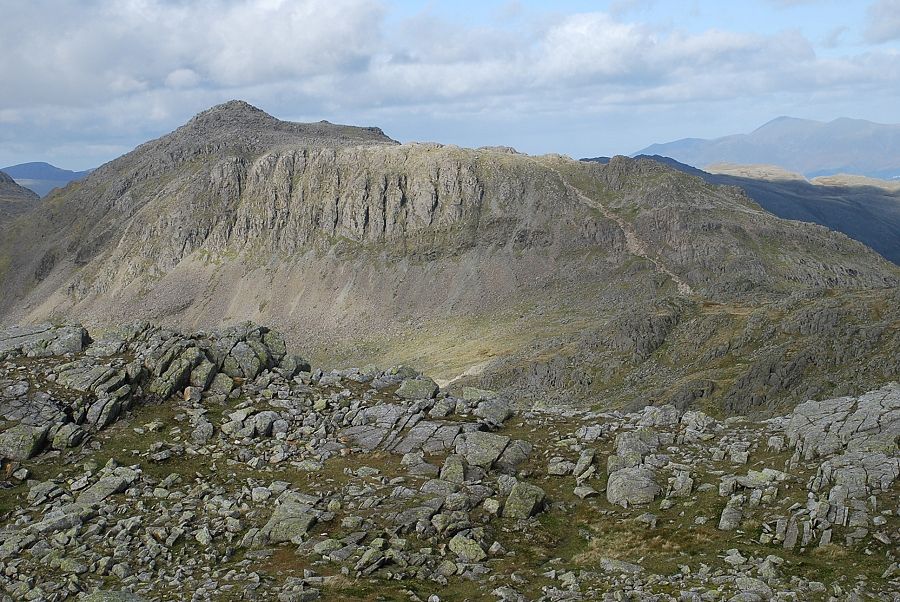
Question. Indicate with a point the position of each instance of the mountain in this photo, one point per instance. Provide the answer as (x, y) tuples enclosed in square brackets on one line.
[(567, 282), (812, 148), (864, 209), (42, 177), (14, 199)]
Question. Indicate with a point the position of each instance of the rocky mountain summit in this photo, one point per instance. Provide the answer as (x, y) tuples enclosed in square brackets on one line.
[(549, 278), (14, 199), (149, 464)]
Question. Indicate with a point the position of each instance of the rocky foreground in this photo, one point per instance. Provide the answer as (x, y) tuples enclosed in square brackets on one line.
[(152, 465)]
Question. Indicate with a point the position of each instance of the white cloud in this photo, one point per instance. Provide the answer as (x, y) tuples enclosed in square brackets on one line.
[(182, 78), (883, 21), (85, 53), (109, 73)]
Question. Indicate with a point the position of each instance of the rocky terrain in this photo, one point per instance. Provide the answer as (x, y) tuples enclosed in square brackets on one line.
[(543, 277), (14, 199), (150, 464)]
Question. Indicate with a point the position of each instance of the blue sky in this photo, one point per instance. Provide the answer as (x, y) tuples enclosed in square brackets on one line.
[(85, 82)]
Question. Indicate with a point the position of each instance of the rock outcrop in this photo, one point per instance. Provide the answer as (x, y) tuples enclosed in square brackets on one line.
[(290, 483)]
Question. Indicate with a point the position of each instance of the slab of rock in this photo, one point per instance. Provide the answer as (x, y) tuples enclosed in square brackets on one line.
[(110, 596), (475, 394), (421, 387), (102, 489), (870, 422), (632, 486), (43, 340), (291, 519), (611, 565), (480, 448), (525, 500), (493, 411), (732, 514), (22, 442), (467, 549)]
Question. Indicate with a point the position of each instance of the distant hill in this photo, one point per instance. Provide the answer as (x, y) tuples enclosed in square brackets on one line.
[(864, 209), (812, 148), (14, 199), (42, 177)]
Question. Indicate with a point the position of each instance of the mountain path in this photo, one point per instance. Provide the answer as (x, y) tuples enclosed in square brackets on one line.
[(633, 243)]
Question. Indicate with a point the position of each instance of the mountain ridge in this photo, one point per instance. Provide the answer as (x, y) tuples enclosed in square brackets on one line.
[(555, 277), (864, 209)]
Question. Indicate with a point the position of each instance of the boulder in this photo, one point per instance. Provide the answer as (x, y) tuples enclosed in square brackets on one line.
[(732, 514), (102, 489), (525, 500), (480, 448), (467, 549), (421, 387), (43, 340), (631, 486), (291, 520), (493, 411), (22, 442)]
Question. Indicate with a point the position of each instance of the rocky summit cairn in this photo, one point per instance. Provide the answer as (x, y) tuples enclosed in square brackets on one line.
[(149, 464)]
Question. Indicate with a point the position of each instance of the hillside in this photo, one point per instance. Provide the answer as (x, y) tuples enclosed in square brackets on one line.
[(14, 199), (615, 285), (865, 209), (812, 148)]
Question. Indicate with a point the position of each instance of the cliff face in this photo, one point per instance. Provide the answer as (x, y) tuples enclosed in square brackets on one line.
[(483, 263)]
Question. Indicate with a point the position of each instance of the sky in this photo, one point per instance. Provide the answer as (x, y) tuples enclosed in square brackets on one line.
[(82, 82)]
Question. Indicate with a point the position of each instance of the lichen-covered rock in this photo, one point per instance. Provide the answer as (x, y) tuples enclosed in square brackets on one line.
[(42, 340), (480, 448), (22, 441), (467, 549), (421, 387), (291, 520), (112, 596), (870, 422), (632, 486), (524, 500)]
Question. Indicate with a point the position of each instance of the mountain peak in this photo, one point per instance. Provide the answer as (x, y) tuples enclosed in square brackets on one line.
[(233, 110), (237, 124)]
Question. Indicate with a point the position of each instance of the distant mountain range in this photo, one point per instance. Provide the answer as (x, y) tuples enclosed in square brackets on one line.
[(864, 209), (812, 148), (42, 177)]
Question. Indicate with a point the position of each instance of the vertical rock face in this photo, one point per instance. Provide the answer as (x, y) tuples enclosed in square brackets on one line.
[(565, 277)]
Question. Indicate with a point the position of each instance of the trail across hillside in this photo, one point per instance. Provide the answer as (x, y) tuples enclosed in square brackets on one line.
[(633, 243)]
